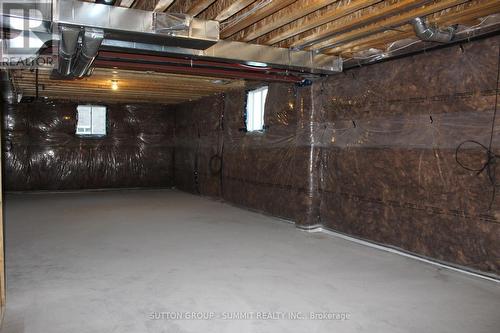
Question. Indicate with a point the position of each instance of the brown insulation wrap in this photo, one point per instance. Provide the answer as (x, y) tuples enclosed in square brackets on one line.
[(269, 171), (42, 152), (389, 134), (198, 146), (371, 153), (266, 171)]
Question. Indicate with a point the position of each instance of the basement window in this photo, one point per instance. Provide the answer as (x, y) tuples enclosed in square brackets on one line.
[(91, 120), (256, 103)]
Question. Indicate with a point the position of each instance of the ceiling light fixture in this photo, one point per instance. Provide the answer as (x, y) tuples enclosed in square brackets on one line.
[(256, 64), (114, 84)]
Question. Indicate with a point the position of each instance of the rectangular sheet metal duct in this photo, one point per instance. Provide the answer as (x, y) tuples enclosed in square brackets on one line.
[(138, 31), (138, 25)]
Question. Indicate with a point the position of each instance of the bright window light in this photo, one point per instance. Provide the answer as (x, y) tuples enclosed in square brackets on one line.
[(256, 103), (91, 120)]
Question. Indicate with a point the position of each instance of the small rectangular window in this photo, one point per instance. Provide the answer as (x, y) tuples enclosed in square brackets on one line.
[(91, 120), (256, 104)]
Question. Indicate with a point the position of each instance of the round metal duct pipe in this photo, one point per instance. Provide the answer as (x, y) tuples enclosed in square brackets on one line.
[(106, 2), (428, 34)]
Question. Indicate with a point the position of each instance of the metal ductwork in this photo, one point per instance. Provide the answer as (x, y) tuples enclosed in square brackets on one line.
[(106, 2), (91, 41), (119, 23), (156, 33), (8, 94), (68, 47), (428, 34), (74, 61)]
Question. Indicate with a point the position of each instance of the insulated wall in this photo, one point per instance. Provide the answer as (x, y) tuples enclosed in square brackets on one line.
[(198, 146), (370, 152), (42, 152), (265, 171), (389, 134), (269, 171)]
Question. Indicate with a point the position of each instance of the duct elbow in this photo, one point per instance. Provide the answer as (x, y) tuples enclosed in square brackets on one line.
[(67, 49), (428, 34), (75, 61), (91, 41)]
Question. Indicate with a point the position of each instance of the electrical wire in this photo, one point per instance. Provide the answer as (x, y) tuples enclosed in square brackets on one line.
[(491, 158), (474, 27), (385, 54)]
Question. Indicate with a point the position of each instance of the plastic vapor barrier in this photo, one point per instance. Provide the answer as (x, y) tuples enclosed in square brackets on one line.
[(371, 153), (42, 151)]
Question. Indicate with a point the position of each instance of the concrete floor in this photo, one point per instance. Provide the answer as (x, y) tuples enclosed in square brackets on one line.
[(111, 261)]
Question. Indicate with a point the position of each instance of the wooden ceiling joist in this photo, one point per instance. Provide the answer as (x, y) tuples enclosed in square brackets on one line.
[(133, 86), (232, 9), (268, 9), (124, 3), (310, 24), (292, 13), (386, 24), (329, 15), (199, 6), (143, 4), (163, 5), (181, 6), (473, 11), (371, 17), (346, 28)]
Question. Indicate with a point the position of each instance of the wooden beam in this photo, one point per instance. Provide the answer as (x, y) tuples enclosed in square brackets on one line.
[(232, 9), (199, 6), (143, 4), (376, 14), (382, 37), (261, 13), (52, 85), (163, 5), (473, 11), (107, 94), (293, 12), (107, 89), (160, 87), (181, 87), (386, 24), (302, 26), (105, 98), (125, 3)]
